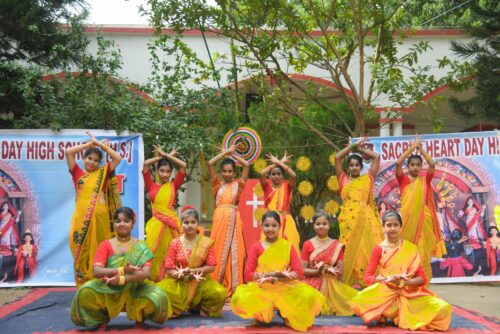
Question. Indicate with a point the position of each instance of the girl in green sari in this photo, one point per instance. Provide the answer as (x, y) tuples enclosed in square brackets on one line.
[(121, 265)]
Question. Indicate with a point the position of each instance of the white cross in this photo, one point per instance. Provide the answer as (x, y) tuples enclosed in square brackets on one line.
[(255, 204)]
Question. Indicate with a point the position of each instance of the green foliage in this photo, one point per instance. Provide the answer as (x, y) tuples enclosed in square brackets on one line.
[(484, 53), (274, 37), (31, 31)]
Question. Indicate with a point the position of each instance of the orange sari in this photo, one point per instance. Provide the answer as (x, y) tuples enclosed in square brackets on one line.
[(410, 307), (420, 222), (227, 234), (360, 227), (278, 199)]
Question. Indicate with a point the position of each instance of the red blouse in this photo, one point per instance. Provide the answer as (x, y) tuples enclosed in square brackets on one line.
[(308, 248), (371, 269), (77, 173), (153, 187), (177, 256), (404, 181), (104, 252), (253, 255)]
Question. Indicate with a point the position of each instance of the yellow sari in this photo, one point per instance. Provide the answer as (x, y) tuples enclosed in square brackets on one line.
[(337, 294), (207, 295), (421, 224), (297, 302), (409, 307), (278, 200), (227, 232), (360, 227), (162, 227), (91, 221), (95, 303)]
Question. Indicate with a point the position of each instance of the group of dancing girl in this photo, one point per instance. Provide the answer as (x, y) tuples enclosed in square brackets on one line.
[(179, 269)]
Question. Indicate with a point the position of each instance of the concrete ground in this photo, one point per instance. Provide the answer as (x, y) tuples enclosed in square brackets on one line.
[(480, 297)]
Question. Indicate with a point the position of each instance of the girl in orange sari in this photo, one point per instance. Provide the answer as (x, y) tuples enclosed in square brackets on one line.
[(272, 272), (226, 222), (278, 196), (190, 260), (359, 224), (323, 263), (164, 225), (418, 209), (97, 198), (398, 285)]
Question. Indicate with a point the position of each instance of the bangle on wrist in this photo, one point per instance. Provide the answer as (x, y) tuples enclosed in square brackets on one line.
[(121, 271), (122, 280)]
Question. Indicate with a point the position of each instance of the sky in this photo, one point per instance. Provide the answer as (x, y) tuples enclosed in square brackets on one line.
[(115, 12)]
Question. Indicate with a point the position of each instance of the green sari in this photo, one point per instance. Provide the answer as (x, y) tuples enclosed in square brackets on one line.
[(95, 302)]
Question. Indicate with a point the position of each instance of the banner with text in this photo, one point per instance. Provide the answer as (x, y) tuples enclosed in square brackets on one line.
[(37, 196), (466, 187)]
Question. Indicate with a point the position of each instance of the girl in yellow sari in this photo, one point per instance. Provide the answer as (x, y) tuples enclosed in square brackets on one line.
[(278, 196), (398, 289), (190, 260), (120, 266), (418, 209), (273, 270), (97, 198), (226, 222), (164, 225), (359, 222), (323, 263)]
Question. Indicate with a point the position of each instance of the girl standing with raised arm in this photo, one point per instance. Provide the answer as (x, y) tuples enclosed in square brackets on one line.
[(418, 209), (97, 198), (278, 195), (226, 223), (165, 224), (359, 223)]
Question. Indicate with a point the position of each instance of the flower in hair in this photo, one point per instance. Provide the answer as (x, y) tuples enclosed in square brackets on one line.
[(187, 207)]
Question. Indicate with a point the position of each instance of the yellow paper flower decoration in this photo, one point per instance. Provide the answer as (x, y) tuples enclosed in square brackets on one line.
[(303, 164), (307, 212), (332, 207), (257, 190), (331, 158), (259, 165), (497, 216), (332, 183), (259, 212), (305, 188)]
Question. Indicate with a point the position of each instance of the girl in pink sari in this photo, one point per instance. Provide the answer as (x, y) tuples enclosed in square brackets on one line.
[(323, 263)]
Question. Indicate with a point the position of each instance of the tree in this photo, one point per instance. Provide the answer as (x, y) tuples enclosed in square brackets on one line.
[(484, 52), (272, 36), (31, 34)]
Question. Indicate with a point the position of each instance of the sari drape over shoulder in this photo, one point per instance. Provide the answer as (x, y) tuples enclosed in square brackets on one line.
[(297, 302), (279, 199), (96, 302), (227, 232), (410, 307), (91, 221), (337, 294), (360, 226), (420, 221), (164, 225), (208, 294)]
